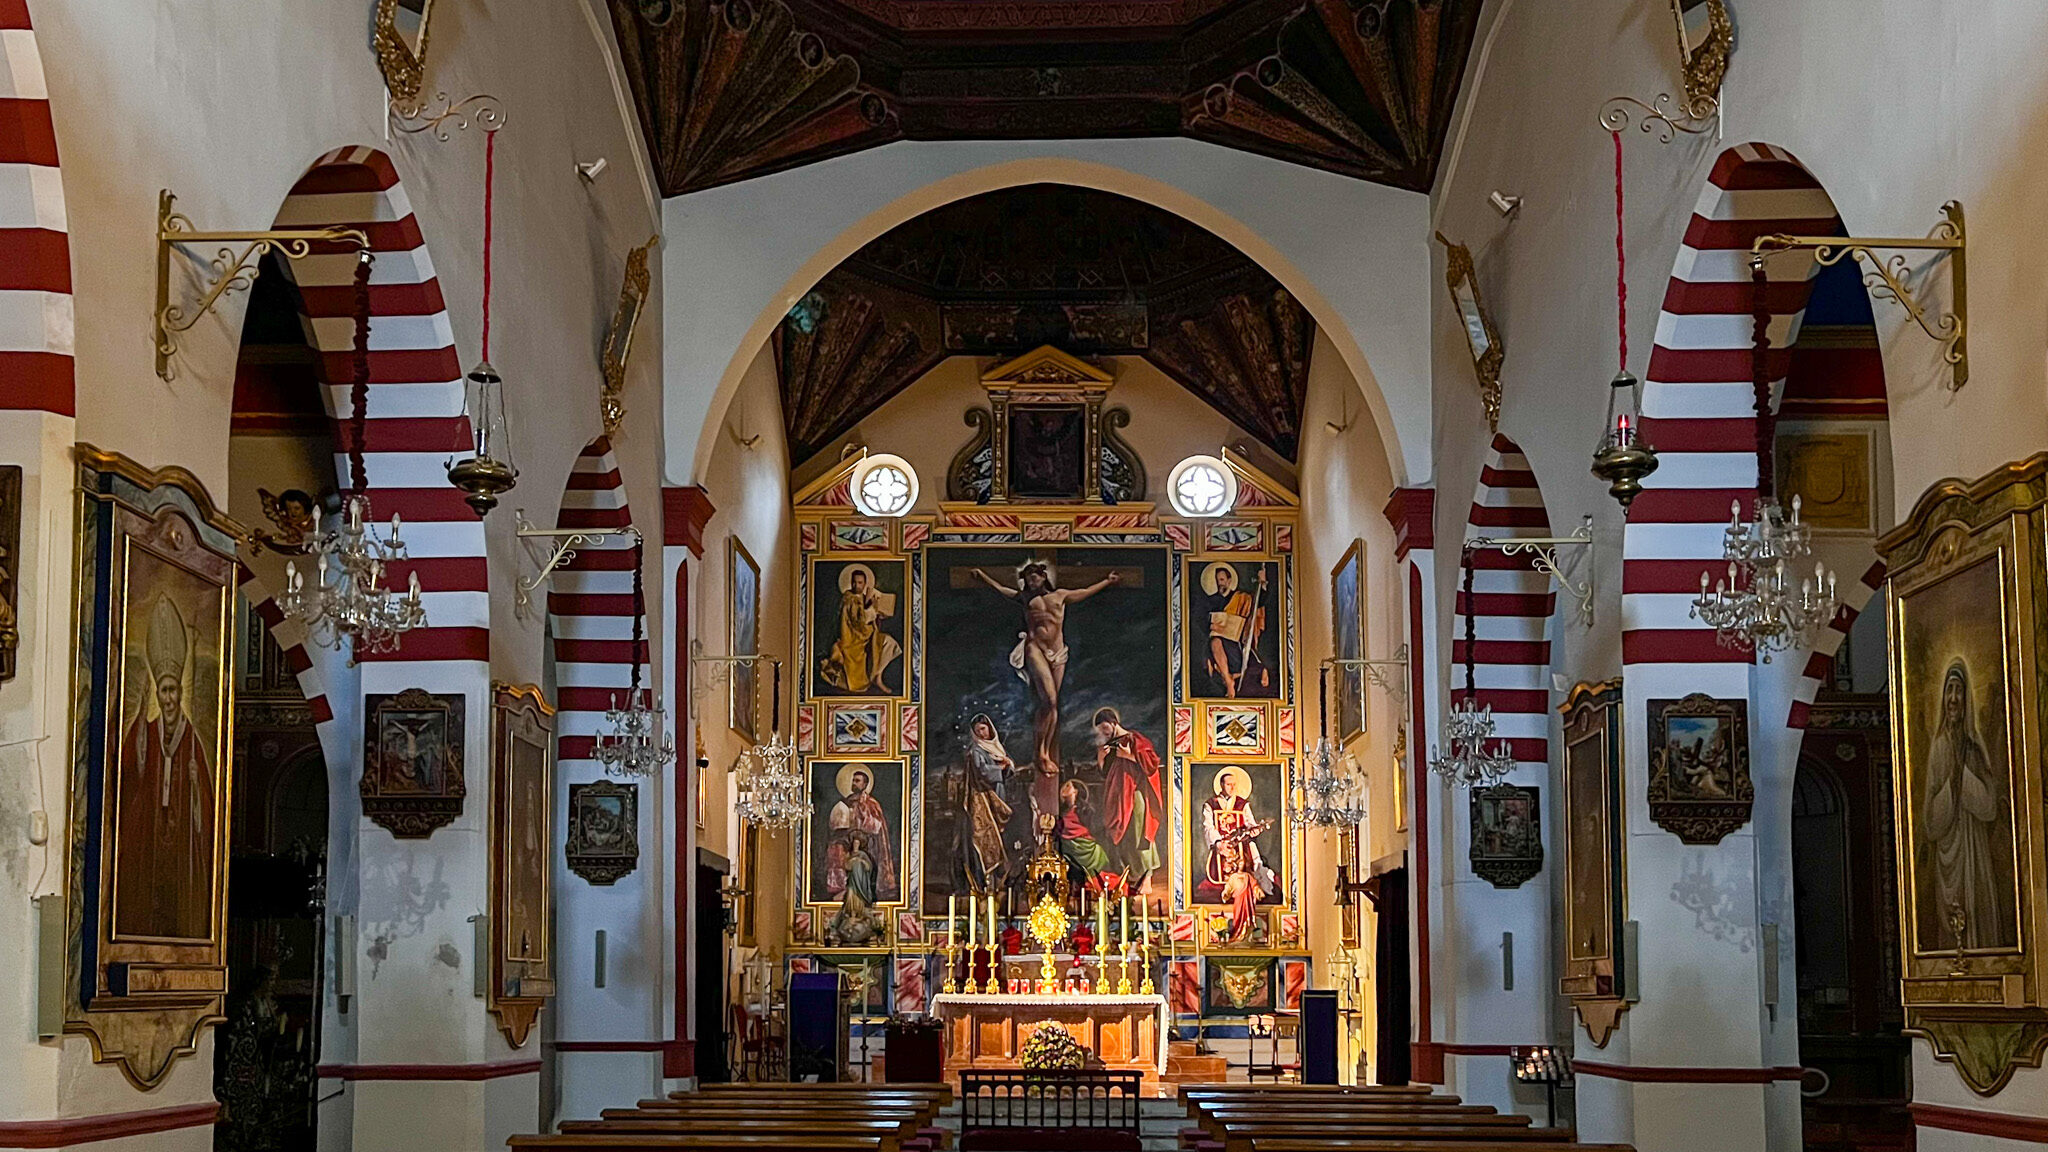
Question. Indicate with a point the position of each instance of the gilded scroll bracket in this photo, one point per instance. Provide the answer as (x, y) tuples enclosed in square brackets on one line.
[(560, 545), (1543, 553)]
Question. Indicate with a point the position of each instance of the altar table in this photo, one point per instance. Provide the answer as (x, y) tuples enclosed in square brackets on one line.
[(988, 1030)]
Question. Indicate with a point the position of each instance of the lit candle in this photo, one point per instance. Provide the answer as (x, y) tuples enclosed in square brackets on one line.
[(292, 580), (1101, 925), (970, 925), (991, 923), (952, 919)]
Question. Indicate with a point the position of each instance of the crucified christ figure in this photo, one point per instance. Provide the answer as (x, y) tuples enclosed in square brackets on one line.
[(1040, 657)]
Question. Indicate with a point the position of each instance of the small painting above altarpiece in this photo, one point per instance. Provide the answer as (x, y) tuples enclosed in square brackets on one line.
[(151, 776), (1967, 603)]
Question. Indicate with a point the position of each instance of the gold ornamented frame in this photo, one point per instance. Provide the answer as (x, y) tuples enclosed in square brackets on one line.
[(744, 681), (806, 844), (142, 994), (522, 967), (1967, 621), (1350, 680), (1595, 857), (1482, 337), (814, 644), (403, 62), (618, 336), (1276, 601)]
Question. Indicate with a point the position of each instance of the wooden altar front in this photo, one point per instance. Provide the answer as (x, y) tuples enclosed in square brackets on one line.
[(988, 1031)]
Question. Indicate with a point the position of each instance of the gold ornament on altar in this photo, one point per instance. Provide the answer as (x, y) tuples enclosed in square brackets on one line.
[(1048, 927)]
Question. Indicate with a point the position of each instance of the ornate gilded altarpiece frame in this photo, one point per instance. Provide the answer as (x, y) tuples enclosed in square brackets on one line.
[(147, 906), (1112, 513), (1967, 620), (522, 858), (1595, 857)]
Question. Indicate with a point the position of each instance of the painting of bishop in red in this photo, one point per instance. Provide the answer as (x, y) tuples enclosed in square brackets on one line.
[(165, 802)]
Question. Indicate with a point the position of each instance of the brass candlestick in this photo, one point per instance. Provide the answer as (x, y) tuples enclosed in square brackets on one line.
[(1123, 968), (1145, 958), (994, 963), (951, 951)]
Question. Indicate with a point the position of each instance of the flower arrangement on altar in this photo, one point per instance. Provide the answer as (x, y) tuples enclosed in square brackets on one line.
[(1051, 1048)]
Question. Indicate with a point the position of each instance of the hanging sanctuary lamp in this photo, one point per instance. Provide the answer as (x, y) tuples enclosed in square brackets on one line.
[(1623, 457), (1471, 756), (1755, 606), (488, 471), (638, 743), (355, 606)]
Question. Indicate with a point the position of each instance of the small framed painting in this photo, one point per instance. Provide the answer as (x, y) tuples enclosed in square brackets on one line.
[(1347, 640), (743, 637), (857, 729)]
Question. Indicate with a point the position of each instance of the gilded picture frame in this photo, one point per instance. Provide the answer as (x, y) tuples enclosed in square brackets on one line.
[(1232, 803), (1699, 788), (1967, 623), (618, 336), (156, 575), (402, 57), (603, 844), (522, 855), (1235, 615), (856, 627), (1506, 847), (413, 779), (1482, 336), (1347, 641), (1595, 857)]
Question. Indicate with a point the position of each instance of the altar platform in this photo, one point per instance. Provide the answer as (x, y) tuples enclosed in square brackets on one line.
[(988, 1030)]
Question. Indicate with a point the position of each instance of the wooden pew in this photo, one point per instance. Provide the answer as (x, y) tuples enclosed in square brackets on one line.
[(1445, 1137), (1217, 1119), (893, 1132), (940, 1089), (780, 1142), (1289, 1145), (1318, 1096)]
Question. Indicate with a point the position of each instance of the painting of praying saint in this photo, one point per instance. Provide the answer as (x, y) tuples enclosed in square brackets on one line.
[(522, 795), (1233, 629), (167, 798), (526, 933), (1958, 781), (1235, 844), (743, 638), (857, 627), (1053, 668), (856, 834), (1347, 642)]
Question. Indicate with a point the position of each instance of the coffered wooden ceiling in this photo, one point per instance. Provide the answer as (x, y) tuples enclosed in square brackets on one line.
[(729, 89), (1004, 272)]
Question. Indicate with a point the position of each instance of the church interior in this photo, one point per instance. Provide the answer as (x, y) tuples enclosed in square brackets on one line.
[(1227, 575)]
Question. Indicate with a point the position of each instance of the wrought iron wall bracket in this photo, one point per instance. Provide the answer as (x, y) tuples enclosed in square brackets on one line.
[(230, 270), (1382, 673), (1705, 66), (1543, 552), (1887, 278), (564, 542)]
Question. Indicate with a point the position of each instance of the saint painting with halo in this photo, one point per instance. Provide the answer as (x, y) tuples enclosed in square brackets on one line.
[(863, 653), (860, 859)]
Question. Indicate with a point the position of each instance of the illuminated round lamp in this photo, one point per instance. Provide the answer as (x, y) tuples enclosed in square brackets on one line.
[(1202, 486), (884, 485)]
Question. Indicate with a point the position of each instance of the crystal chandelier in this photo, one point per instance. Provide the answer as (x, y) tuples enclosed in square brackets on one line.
[(639, 743), (772, 792), (1472, 756), (1755, 607), (1332, 795), (355, 605)]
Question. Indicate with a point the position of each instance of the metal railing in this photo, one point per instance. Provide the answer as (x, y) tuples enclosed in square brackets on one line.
[(1089, 1100)]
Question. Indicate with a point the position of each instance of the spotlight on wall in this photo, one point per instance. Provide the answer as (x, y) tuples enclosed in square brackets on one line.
[(884, 485), (1505, 205), (1202, 486), (590, 170)]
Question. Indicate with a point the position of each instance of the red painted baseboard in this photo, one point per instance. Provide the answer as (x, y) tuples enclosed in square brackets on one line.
[(491, 1071), (63, 1133), (2004, 1126)]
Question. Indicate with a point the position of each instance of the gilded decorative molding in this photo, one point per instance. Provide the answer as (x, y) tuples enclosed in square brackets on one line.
[(403, 64), (618, 337)]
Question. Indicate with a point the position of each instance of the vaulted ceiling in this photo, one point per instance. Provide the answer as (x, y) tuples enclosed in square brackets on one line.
[(729, 89), (1001, 273)]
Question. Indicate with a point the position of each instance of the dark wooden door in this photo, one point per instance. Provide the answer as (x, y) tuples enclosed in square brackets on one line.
[(1390, 989), (712, 1064)]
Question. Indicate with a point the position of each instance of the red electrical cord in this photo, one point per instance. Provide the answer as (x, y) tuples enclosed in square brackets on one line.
[(1620, 256), (490, 164), (359, 391)]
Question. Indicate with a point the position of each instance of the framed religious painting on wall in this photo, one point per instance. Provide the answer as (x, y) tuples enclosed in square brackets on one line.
[(1236, 848), (857, 621), (1967, 607), (413, 778), (604, 831), (743, 637), (1347, 639), (1234, 617), (522, 853), (854, 846), (1699, 787), (1596, 896), (1507, 834), (152, 774)]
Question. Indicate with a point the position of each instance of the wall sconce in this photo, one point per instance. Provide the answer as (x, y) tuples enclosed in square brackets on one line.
[(230, 271), (1706, 38), (1202, 487)]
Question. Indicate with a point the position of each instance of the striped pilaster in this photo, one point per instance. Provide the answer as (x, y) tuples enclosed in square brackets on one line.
[(414, 421), (591, 605), (1510, 608), (1699, 396), (1855, 596), (291, 640), (35, 251)]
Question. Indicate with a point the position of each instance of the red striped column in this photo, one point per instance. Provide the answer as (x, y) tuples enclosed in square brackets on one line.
[(1855, 596), (35, 253), (590, 604), (1510, 608), (291, 640)]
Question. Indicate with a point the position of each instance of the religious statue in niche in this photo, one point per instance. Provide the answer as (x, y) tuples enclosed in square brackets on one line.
[(1699, 767), (861, 631), (1233, 848), (412, 771), (1024, 704), (1507, 835), (604, 831), (1234, 650)]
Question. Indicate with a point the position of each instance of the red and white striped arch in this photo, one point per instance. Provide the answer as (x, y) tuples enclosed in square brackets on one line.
[(35, 252), (1820, 659), (1511, 606), (291, 640), (590, 606), (1699, 400), (414, 420)]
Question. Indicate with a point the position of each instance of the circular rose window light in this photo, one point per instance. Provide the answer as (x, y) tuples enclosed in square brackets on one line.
[(884, 485), (1202, 486)]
